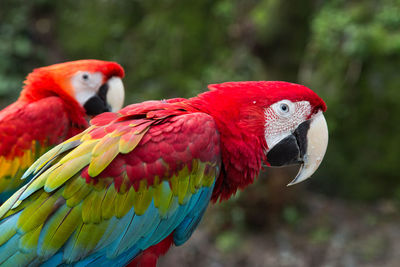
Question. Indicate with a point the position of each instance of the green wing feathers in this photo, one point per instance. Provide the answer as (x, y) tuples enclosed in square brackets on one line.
[(12, 168), (84, 218)]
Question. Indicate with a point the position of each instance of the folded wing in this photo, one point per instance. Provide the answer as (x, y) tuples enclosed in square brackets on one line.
[(123, 185)]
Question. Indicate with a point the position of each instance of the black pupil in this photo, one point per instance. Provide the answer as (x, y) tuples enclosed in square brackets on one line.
[(284, 107), (85, 76)]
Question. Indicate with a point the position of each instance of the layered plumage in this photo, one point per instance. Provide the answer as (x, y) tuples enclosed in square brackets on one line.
[(140, 179), (51, 109)]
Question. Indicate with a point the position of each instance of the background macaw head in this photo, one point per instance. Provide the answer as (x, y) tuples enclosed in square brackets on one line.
[(282, 119), (96, 85)]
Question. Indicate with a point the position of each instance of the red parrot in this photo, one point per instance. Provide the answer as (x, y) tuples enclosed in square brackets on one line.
[(139, 180), (53, 107)]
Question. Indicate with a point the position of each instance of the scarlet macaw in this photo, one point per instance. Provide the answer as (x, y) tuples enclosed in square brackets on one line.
[(139, 180), (52, 108)]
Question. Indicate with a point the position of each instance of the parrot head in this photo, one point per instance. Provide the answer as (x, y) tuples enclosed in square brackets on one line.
[(278, 123), (94, 84), (296, 131)]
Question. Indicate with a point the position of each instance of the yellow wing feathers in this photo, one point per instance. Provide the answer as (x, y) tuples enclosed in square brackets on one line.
[(79, 215), (12, 168)]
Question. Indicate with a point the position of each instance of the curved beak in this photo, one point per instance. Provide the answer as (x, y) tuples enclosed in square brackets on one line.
[(306, 146), (110, 97)]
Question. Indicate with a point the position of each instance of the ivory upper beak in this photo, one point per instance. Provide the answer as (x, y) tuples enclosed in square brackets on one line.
[(115, 94), (317, 143)]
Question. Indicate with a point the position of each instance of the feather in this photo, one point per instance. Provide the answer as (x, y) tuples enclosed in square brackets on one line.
[(129, 141), (37, 213), (198, 179), (58, 177), (103, 153), (174, 181), (19, 259), (183, 184), (83, 149), (51, 155), (104, 119), (142, 198), (73, 186), (58, 230), (6, 166), (118, 229), (119, 208), (139, 225), (84, 241), (55, 260), (118, 232), (8, 228), (127, 204), (9, 249), (90, 209), (29, 240), (15, 165), (6, 206), (108, 203), (76, 198), (197, 208), (37, 183), (109, 235), (162, 197), (162, 228)]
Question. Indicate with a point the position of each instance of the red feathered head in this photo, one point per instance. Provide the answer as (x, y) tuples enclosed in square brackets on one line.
[(94, 84), (279, 123)]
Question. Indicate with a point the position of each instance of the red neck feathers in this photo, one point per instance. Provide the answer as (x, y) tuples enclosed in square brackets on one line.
[(238, 116)]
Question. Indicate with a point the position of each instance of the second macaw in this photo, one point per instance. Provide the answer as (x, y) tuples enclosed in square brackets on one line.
[(52, 107), (139, 180)]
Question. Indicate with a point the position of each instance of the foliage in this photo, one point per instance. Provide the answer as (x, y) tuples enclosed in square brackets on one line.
[(353, 57), (18, 54), (169, 48)]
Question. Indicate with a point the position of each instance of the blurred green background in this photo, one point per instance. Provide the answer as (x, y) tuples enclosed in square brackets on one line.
[(346, 51)]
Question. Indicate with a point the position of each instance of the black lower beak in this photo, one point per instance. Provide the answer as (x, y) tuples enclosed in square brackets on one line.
[(97, 104), (291, 149)]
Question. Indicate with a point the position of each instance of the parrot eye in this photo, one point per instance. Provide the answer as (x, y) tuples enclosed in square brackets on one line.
[(284, 108), (85, 76)]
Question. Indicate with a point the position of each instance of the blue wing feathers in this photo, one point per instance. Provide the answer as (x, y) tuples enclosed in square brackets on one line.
[(55, 260), (183, 232), (184, 220), (125, 237), (9, 248), (8, 227)]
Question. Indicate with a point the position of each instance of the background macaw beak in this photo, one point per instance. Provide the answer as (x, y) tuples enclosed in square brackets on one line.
[(306, 146), (110, 97)]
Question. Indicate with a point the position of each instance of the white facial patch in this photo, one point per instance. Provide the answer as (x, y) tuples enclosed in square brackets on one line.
[(86, 85), (282, 119), (115, 93)]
